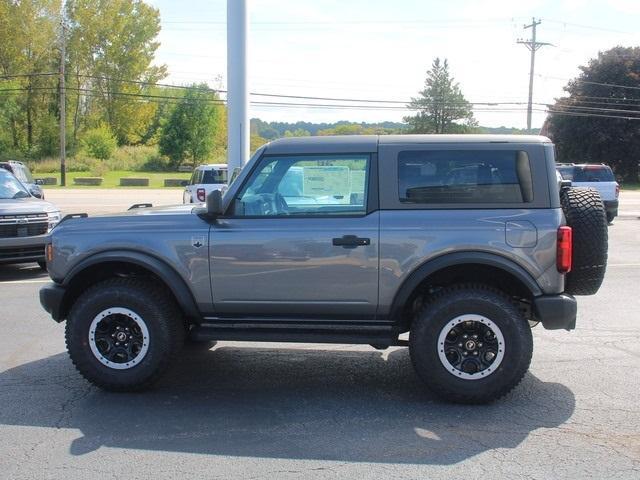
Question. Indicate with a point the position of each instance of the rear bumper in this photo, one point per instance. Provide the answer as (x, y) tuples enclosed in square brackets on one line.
[(22, 249), (556, 311), (611, 206), (51, 298)]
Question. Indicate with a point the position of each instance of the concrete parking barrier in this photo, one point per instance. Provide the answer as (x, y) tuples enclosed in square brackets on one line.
[(88, 181), (134, 182), (48, 180), (175, 182)]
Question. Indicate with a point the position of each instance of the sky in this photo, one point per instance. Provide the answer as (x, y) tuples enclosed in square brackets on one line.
[(381, 50)]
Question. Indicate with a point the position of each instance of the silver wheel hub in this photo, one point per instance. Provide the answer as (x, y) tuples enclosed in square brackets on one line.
[(471, 347), (119, 338)]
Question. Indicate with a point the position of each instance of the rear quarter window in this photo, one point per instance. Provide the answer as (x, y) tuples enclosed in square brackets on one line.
[(464, 177)]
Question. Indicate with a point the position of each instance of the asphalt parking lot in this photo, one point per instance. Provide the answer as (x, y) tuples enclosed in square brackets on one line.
[(282, 411)]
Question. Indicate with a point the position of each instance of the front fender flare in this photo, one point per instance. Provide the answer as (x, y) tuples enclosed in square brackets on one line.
[(173, 281)]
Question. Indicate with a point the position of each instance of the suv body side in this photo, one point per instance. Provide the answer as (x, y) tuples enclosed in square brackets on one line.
[(263, 269)]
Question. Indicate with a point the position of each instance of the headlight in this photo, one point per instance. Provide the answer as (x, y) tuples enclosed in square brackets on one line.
[(53, 219)]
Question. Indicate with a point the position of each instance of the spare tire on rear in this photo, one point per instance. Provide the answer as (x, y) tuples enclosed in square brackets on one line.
[(585, 214)]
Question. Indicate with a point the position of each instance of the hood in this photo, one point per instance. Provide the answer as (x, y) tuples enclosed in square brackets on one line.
[(21, 206), (164, 210)]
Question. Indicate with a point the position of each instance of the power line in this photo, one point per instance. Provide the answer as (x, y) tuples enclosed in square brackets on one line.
[(36, 74), (576, 114), (578, 80)]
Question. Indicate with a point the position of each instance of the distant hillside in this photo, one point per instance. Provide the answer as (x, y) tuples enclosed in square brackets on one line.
[(273, 130)]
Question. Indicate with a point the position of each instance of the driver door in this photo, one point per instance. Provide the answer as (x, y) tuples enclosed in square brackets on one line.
[(302, 239)]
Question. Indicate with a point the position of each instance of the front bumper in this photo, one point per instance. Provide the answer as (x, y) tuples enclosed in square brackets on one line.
[(51, 299), (556, 311), (23, 249)]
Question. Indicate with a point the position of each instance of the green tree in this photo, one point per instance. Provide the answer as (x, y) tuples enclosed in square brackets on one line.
[(191, 129), (440, 105), (111, 46), (28, 43), (298, 132), (580, 135), (99, 142)]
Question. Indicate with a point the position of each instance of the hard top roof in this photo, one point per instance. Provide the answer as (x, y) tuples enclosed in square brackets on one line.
[(369, 143)]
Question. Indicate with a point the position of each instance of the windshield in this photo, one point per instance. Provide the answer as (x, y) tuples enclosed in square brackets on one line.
[(24, 175), (11, 188)]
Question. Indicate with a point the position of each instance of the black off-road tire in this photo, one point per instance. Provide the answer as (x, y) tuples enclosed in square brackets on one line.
[(586, 215), (436, 315), (158, 311)]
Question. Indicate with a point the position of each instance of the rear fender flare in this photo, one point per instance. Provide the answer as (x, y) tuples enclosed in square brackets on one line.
[(459, 258)]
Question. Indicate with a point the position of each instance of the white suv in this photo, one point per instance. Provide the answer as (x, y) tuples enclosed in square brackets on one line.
[(204, 180), (598, 176)]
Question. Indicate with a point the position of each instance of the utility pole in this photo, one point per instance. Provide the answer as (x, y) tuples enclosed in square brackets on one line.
[(63, 112), (237, 89), (532, 45)]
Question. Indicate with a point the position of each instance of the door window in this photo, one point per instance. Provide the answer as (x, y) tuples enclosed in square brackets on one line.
[(306, 185)]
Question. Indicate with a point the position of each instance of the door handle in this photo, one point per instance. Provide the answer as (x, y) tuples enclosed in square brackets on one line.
[(351, 241)]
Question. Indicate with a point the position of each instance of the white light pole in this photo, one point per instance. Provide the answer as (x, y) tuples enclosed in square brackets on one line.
[(237, 90)]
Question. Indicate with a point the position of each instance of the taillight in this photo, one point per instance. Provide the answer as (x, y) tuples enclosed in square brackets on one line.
[(564, 257), (202, 195), (617, 190), (49, 253)]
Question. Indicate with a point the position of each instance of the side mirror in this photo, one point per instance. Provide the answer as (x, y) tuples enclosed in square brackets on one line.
[(214, 204), (39, 181), (36, 191)]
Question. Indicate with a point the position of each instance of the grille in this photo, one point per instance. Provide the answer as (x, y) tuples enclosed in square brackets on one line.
[(13, 254), (15, 226)]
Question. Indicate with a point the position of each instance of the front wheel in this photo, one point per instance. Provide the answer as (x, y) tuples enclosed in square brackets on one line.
[(123, 333), (470, 344)]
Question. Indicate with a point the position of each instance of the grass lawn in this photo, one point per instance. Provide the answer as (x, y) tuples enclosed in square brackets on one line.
[(112, 179), (630, 186)]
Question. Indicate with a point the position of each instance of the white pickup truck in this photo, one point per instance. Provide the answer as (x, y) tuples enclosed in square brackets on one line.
[(598, 176)]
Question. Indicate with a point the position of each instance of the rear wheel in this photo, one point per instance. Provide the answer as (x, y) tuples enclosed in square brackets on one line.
[(470, 344), (123, 333)]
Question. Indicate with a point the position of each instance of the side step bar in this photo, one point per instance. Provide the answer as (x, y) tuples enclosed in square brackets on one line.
[(378, 334)]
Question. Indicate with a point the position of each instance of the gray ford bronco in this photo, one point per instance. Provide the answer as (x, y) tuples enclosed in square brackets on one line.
[(464, 242)]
